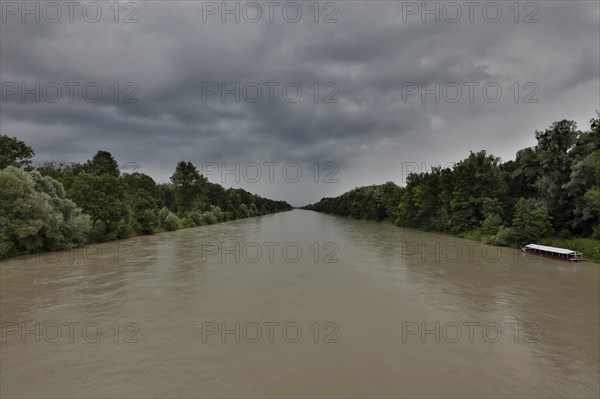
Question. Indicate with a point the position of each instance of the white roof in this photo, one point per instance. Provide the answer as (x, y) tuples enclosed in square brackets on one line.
[(550, 249)]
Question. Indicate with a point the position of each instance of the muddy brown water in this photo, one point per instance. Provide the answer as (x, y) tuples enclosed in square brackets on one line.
[(298, 304)]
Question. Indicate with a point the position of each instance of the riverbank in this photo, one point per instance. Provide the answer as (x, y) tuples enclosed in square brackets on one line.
[(588, 246), (181, 225)]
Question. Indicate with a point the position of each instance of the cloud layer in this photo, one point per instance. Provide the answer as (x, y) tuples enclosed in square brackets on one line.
[(358, 76)]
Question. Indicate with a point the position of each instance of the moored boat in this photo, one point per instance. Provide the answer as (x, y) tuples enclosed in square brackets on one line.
[(553, 252)]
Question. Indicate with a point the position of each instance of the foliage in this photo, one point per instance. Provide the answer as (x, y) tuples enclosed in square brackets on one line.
[(588, 246), (36, 215), (144, 212), (189, 186), (371, 202), (103, 197), (14, 152), (491, 224), (102, 163), (596, 232), (550, 189), (209, 218), (530, 222), (38, 210), (167, 220), (505, 236)]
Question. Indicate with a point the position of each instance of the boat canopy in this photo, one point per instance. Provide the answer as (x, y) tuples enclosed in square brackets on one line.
[(555, 250)]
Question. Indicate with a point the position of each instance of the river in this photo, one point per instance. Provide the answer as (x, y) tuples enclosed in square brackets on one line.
[(298, 304)]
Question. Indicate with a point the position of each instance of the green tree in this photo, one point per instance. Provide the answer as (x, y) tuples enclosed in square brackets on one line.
[(140, 181), (102, 163), (492, 212), (530, 222), (166, 196), (584, 192), (554, 147), (523, 173), (561, 173), (491, 224), (103, 197), (14, 152), (36, 215), (145, 212), (189, 186)]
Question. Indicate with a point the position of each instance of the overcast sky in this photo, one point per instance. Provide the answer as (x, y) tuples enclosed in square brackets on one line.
[(364, 122)]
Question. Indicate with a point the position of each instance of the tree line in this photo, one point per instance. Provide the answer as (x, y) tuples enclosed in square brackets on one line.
[(549, 190), (63, 205)]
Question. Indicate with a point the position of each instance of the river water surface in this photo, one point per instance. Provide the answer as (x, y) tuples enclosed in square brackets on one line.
[(298, 304)]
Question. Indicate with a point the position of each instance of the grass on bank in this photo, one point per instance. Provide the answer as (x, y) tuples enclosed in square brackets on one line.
[(588, 246)]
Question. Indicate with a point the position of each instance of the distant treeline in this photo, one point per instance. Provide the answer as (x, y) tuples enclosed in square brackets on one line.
[(59, 206), (550, 190)]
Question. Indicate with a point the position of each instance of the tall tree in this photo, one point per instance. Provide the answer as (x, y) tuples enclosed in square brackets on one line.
[(140, 181), (553, 149), (14, 152), (145, 212), (530, 222), (523, 173), (104, 198), (189, 186), (102, 163), (584, 193)]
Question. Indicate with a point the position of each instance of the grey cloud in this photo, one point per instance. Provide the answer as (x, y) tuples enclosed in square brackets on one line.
[(370, 54)]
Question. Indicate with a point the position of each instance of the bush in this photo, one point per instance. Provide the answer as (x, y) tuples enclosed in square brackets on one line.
[(77, 226), (123, 230), (475, 235), (491, 224), (589, 247), (196, 218), (167, 220), (505, 237), (253, 210), (218, 214), (147, 221), (187, 222), (97, 233), (209, 218), (171, 223), (244, 211), (565, 234)]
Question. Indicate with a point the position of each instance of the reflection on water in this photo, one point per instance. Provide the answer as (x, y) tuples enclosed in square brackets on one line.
[(298, 304)]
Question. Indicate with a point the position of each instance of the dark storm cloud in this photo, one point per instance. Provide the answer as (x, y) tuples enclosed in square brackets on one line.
[(369, 56)]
